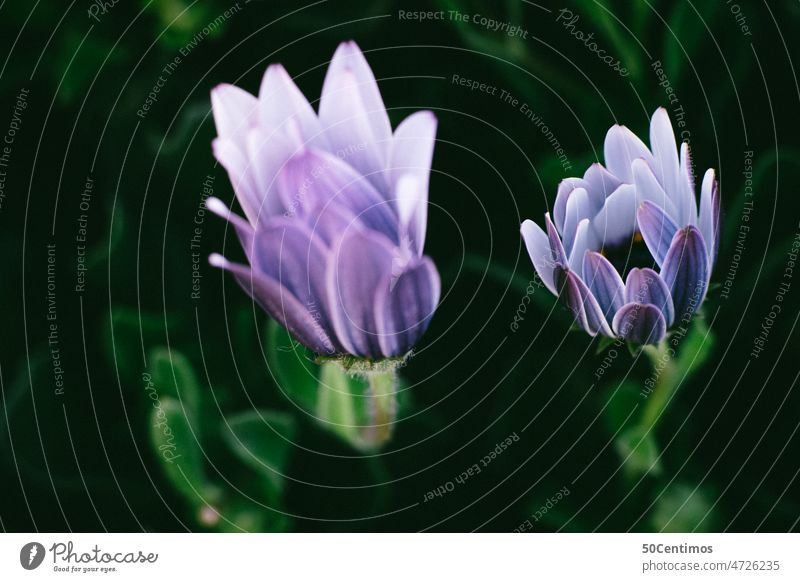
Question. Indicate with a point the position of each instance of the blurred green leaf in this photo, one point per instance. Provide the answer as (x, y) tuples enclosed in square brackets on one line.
[(262, 440), (682, 508), (173, 376), (639, 452), (683, 36), (178, 450)]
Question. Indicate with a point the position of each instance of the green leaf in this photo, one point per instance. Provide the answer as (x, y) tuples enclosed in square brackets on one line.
[(177, 450), (293, 366), (683, 508), (173, 376), (639, 452), (262, 439)]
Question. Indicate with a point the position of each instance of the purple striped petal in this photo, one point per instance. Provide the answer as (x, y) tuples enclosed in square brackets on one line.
[(565, 188), (410, 157), (581, 303), (280, 304), (538, 246), (616, 221), (648, 188), (605, 284), (709, 214), (353, 114), (665, 154), (657, 229), (268, 152), (284, 107), (686, 271), (288, 252), (556, 248), (646, 286), (640, 323), (620, 149), (404, 305), (361, 262), (315, 177)]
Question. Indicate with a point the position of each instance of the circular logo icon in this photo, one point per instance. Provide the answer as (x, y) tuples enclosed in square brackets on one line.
[(31, 555)]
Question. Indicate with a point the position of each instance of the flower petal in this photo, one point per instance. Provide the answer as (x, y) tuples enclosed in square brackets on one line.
[(361, 262), (646, 286), (268, 152), (556, 248), (235, 112), (648, 188), (616, 221), (283, 106), (686, 271), (538, 246), (243, 228), (601, 184), (404, 306), (410, 157), (353, 114), (640, 323), (709, 214), (665, 154), (581, 303), (280, 304), (657, 229), (565, 188), (605, 284), (315, 176), (578, 209), (287, 251), (584, 241), (621, 147), (237, 164), (688, 202)]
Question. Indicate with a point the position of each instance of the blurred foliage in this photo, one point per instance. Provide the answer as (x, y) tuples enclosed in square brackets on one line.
[(269, 439)]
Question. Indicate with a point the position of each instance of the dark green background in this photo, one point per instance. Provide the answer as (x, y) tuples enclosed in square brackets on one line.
[(84, 460)]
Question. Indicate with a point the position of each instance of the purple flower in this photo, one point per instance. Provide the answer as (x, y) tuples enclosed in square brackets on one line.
[(335, 206), (637, 215)]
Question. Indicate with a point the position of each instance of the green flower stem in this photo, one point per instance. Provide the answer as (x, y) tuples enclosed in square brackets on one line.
[(382, 404), (664, 369)]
